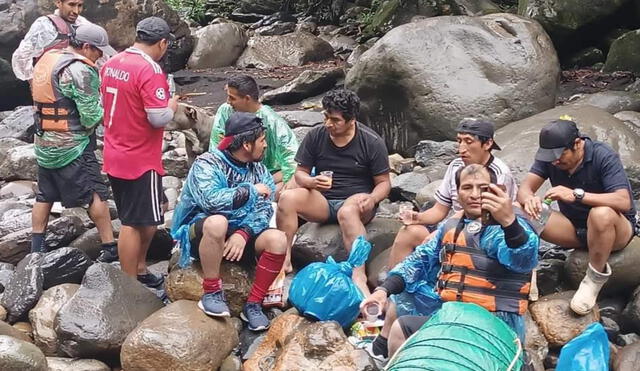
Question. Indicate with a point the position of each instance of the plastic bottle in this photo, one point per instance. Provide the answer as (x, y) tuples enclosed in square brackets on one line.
[(172, 85), (545, 213)]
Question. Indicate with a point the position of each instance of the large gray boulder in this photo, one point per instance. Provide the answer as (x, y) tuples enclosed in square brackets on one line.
[(19, 125), (106, 308), (623, 55), (20, 355), (500, 67), (294, 49), (70, 364), (308, 84), (19, 163), (218, 45), (519, 140), (43, 315), (24, 288), (15, 246), (179, 337)]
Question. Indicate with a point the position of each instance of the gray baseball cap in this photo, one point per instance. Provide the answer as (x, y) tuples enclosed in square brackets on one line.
[(154, 29), (96, 36)]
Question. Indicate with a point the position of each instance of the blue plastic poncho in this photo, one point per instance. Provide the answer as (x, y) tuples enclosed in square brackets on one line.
[(419, 270), (326, 292), (588, 351), (209, 190)]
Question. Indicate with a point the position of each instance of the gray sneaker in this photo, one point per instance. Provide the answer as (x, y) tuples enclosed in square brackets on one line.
[(255, 318), (214, 304)]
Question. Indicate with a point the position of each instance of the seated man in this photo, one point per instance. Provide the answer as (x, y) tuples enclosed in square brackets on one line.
[(282, 145), (475, 143), (488, 264), (358, 158), (224, 212), (594, 195)]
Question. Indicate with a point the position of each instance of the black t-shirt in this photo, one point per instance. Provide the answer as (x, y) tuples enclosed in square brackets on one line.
[(353, 165), (601, 171)]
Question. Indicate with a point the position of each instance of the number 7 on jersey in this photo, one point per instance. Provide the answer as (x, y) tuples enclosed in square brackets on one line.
[(114, 91)]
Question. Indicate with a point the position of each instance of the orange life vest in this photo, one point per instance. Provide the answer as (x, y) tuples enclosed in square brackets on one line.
[(469, 275), (61, 41), (55, 112)]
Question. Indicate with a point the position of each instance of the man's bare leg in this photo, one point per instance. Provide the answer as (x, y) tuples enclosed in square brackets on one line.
[(211, 246), (129, 249), (99, 214), (407, 239), (607, 230), (146, 235)]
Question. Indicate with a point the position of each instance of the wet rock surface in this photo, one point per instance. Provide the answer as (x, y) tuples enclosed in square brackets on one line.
[(89, 241), (8, 330), (218, 45), (19, 124), (24, 288), (64, 265), (20, 355), (42, 316), (308, 84), (179, 337), (70, 364), (294, 49), (627, 358)]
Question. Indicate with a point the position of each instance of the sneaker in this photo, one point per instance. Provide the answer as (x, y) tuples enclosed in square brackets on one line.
[(367, 346), (151, 280), (214, 304), (108, 254), (254, 316)]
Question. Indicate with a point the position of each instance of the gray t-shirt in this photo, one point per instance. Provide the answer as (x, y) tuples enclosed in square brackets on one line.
[(447, 193)]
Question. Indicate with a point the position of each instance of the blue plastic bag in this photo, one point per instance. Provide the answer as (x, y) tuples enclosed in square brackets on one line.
[(326, 292), (588, 351)]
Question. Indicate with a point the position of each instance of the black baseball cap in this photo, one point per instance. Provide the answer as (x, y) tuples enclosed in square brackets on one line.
[(154, 29), (238, 123), (555, 137), (478, 127)]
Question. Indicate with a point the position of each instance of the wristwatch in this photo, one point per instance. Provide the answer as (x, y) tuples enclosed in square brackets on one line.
[(578, 193)]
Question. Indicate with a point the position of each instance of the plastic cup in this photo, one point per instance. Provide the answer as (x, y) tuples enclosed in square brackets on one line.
[(372, 311), (404, 212), (328, 174)]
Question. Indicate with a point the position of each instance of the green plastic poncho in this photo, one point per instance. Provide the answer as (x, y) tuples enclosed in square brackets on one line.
[(282, 144), (81, 83), (460, 337)]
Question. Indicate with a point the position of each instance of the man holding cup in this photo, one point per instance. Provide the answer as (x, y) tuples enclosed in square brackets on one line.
[(351, 176)]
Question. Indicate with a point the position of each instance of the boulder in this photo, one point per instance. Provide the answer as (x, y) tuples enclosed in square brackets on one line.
[(426, 196), (24, 289), (301, 132), (171, 182), (259, 6), (535, 342), (276, 29), (406, 186), (64, 265), (409, 92), (15, 220), (25, 328), (623, 54), (43, 315), (630, 117), (308, 84), (627, 359), (63, 230), (3, 313), (186, 284), (400, 165), (294, 49), (342, 44), (70, 364), (231, 363), (175, 163), (89, 241), (558, 323), (218, 45), (5, 278), (549, 274), (625, 276), (108, 306), (428, 152), (630, 317), (19, 125), (18, 188), (179, 337), (611, 101), (302, 118), (8, 330), (519, 140), (294, 343), (19, 163), (15, 246), (316, 242), (355, 55), (20, 355)]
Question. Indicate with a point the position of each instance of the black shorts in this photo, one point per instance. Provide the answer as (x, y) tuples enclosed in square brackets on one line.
[(73, 185), (139, 201), (411, 324), (195, 236), (581, 233), (334, 207)]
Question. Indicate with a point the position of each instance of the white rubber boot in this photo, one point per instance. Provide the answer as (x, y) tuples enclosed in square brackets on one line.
[(585, 298)]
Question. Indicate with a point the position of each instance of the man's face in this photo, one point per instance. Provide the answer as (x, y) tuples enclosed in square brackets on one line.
[(569, 158), (91, 52), (239, 102), (70, 9), (469, 193), (471, 150), (258, 148), (336, 124)]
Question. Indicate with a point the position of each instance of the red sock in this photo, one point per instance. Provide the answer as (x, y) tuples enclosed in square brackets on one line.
[(268, 268), (211, 285)]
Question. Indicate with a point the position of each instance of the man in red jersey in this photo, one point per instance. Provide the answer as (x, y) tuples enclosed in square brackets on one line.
[(137, 107)]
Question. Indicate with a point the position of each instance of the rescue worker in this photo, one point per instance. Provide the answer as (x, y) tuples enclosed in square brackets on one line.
[(282, 145), (467, 260), (47, 32), (66, 95)]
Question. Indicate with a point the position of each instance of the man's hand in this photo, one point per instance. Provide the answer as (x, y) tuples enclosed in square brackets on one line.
[(378, 297), (533, 207), (173, 103), (365, 202), (561, 193), (321, 183), (263, 190), (499, 205), (410, 217), (234, 247)]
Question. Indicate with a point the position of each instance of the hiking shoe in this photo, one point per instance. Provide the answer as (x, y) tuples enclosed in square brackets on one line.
[(254, 316), (151, 280), (214, 304), (367, 346), (108, 254)]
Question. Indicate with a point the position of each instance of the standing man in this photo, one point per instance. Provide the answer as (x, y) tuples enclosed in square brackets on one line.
[(282, 145), (47, 32), (359, 160), (137, 107), (66, 94), (596, 208), (475, 143), (224, 212)]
